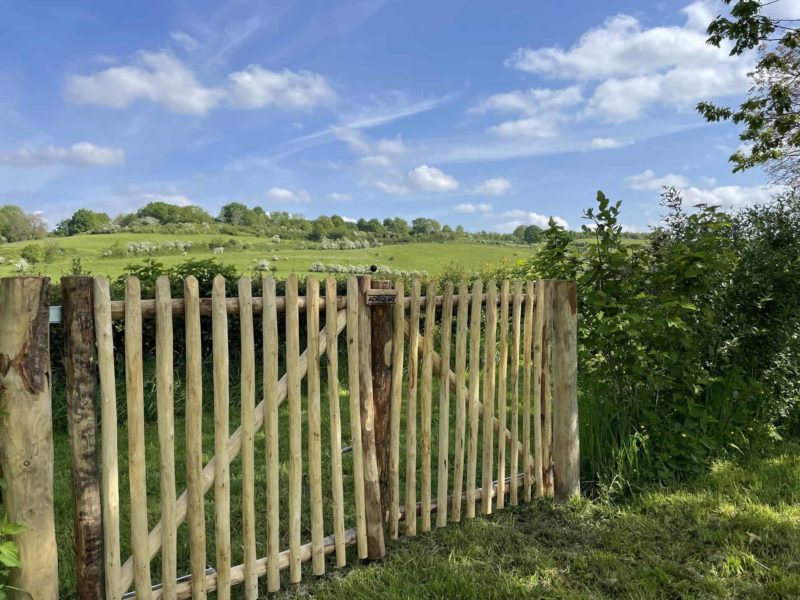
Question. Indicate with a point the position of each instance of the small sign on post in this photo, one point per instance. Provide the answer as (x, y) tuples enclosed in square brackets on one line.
[(381, 297)]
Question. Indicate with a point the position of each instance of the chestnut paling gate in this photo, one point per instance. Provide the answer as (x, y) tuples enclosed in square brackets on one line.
[(475, 411)]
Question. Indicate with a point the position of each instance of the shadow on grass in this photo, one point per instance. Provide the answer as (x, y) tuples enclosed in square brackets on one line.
[(734, 533)]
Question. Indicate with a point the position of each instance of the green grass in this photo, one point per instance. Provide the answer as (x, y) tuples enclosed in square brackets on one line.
[(292, 257), (733, 533)]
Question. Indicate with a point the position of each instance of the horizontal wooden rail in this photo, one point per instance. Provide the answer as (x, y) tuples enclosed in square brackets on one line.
[(232, 305)]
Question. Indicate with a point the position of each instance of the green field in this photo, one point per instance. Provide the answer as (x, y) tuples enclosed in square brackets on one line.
[(293, 256)]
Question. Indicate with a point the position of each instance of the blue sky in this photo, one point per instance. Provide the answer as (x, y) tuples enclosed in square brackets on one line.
[(486, 114)]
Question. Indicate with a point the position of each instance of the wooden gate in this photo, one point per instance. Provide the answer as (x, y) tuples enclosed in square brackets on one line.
[(455, 403)]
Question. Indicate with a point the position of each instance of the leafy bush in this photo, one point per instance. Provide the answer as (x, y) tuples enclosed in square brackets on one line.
[(33, 253), (9, 553), (688, 347)]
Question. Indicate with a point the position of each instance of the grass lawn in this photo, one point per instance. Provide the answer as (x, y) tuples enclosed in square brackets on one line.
[(292, 256), (734, 533)]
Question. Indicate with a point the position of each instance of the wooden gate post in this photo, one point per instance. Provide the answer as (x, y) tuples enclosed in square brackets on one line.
[(566, 443), (81, 371), (26, 431), (381, 329), (369, 421)]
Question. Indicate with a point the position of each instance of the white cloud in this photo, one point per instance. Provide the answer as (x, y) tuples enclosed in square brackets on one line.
[(278, 194), (161, 78), (532, 127), (647, 180), (392, 146), (185, 40), (395, 189), (256, 87), (530, 102), (541, 108), (82, 154), (496, 186), (156, 76), (431, 179), (525, 217), (637, 67), (377, 161), (353, 138), (470, 208), (727, 196), (604, 143), (730, 196), (340, 197)]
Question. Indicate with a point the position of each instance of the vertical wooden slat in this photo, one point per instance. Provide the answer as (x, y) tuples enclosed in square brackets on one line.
[(108, 435), (516, 327), (248, 407), (165, 402), (314, 426), (537, 392), (26, 434), (355, 413), (295, 427), (546, 390), (411, 412), (426, 393), (444, 406), (474, 394), (136, 455), (334, 414), (194, 437), (461, 399), (489, 372), (502, 397), (270, 338), (372, 496), (566, 442), (396, 410), (222, 479), (80, 367), (526, 391)]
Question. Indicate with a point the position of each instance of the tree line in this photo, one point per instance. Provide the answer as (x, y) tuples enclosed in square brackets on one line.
[(237, 218)]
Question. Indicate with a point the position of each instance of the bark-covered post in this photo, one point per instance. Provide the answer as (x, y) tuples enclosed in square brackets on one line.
[(81, 371), (372, 493), (566, 443), (26, 431), (381, 338)]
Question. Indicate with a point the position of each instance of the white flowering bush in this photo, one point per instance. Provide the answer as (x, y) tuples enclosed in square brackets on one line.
[(262, 265), (22, 266), (276, 239), (363, 269), (347, 244)]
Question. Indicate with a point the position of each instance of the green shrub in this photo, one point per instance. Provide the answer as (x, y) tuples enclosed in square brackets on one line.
[(33, 253), (689, 346)]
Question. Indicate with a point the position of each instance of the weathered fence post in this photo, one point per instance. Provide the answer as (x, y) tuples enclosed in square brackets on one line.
[(381, 329), (372, 491), (26, 431), (566, 444), (81, 371)]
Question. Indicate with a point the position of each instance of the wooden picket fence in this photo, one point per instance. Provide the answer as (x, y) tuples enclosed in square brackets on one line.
[(503, 360)]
